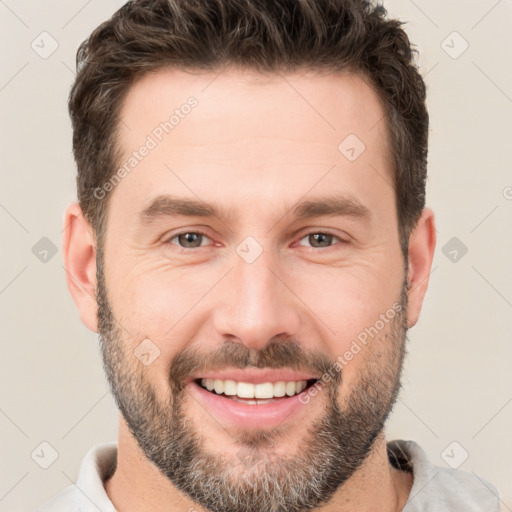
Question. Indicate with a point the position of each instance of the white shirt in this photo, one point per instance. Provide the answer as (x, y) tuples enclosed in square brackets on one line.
[(434, 489)]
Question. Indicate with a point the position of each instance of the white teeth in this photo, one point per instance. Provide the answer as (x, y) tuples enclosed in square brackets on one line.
[(280, 389), (265, 390), (253, 402), (290, 388), (245, 390), (218, 385), (230, 387)]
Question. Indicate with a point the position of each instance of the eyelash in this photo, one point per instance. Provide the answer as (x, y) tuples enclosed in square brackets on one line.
[(305, 235)]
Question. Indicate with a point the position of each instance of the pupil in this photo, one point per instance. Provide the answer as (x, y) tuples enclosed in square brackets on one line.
[(323, 238), (190, 239)]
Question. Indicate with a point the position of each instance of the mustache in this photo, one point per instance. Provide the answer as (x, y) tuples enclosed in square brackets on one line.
[(276, 354)]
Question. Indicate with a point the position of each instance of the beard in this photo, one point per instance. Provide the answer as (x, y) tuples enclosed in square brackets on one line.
[(330, 451)]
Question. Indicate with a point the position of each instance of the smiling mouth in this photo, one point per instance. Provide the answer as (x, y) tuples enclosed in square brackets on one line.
[(250, 393)]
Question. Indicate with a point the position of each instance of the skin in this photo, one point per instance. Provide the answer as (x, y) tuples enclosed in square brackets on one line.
[(254, 145)]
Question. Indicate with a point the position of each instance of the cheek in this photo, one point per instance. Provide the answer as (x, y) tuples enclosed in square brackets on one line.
[(160, 304), (348, 299)]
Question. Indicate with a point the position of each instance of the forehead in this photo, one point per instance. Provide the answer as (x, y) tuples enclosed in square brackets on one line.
[(327, 105), (273, 135)]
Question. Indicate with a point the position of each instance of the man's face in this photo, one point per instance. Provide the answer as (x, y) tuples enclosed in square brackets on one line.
[(257, 293)]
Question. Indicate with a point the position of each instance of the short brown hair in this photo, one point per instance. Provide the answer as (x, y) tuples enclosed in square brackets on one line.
[(260, 35)]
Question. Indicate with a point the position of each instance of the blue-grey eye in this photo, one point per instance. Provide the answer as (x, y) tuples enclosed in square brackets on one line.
[(189, 240), (320, 240)]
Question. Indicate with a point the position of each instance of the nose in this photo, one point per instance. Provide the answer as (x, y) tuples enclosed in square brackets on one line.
[(257, 303)]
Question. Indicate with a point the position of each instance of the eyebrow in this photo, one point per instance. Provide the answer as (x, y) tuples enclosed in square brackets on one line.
[(333, 205), (347, 206), (169, 206)]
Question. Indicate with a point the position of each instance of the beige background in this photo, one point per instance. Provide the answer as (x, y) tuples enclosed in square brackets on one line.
[(458, 382)]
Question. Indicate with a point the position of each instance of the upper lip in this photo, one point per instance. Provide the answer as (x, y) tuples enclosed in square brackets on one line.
[(254, 375)]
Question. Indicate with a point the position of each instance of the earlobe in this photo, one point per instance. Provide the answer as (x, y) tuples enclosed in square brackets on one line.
[(422, 244), (79, 252)]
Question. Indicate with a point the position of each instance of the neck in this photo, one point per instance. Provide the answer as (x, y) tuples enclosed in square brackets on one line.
[(138, 486)]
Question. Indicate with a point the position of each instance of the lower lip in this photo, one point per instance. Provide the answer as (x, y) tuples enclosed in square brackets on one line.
[(238, 414)]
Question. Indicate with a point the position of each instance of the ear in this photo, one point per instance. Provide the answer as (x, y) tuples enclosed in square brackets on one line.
[(422, 244), (79, 251)]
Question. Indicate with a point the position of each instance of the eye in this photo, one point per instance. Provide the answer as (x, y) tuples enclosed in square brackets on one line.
[(189, 239), (319, 240)]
